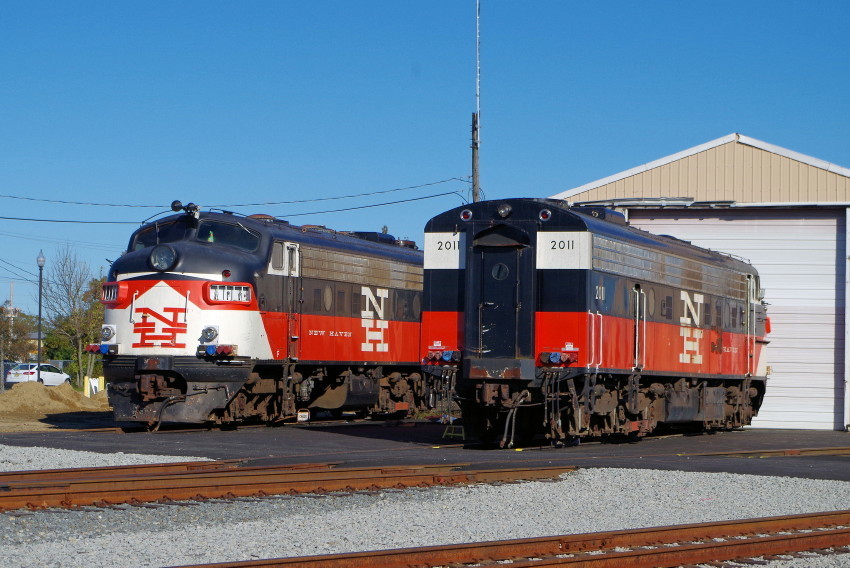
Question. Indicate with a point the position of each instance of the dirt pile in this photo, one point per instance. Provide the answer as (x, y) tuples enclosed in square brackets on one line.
[(35, 400)]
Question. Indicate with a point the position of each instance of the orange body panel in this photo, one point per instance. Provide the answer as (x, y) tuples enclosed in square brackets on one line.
[(609, 343)]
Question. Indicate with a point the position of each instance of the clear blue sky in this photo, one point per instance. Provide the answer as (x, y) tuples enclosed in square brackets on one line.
[(230, 103)]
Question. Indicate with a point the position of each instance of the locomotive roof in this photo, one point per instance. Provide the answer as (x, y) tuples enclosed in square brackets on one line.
[(370, 243), (596, 220)]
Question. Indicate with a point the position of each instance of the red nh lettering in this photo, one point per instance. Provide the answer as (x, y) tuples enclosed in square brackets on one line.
[(167, 334)]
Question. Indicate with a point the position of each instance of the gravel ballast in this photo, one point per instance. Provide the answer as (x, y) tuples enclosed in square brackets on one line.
[(588, 500)]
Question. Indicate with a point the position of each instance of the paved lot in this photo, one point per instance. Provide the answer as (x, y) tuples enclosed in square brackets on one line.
[(408, 443)]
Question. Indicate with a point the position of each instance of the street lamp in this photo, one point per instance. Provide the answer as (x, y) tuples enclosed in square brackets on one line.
[(40, 260)]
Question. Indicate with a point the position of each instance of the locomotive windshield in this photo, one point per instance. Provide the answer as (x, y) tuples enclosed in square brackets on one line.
[(227, 234), (160, 233)]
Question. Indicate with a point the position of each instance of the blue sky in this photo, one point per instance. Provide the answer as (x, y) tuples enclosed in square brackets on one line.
[(231, 103)]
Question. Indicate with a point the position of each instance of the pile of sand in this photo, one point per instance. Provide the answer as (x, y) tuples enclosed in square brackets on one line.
[(36, 400)]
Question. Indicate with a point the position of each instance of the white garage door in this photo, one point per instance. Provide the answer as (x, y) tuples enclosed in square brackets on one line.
[(800, 256)]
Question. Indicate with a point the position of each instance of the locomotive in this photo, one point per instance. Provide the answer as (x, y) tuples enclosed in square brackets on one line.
[(563, 321), (212, 317)]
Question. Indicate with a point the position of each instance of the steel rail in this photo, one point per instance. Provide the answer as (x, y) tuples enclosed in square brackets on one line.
[(117, 470), (671, 546), (246, 482), (786, 452)]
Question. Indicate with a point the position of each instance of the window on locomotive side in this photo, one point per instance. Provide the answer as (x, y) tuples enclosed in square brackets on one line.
[(667, 307), (342, 304), (403, 302), (328, 298), (277, 256), (356, 302), (417, 305)]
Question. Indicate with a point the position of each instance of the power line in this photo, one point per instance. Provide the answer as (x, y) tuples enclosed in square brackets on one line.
[(18, 279), (367, 194), (16, 267), (364, 194), (70, 221), (77, 221), (374, 204), (42, 238)]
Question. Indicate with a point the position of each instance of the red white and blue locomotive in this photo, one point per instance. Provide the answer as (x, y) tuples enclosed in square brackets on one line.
[(565, 321), (217, 318)]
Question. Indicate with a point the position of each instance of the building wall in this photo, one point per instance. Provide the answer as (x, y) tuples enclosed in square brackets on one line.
[(801, 252), (801, 256), (729, 172)]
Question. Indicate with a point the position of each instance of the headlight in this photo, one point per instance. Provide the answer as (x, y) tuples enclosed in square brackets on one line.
[(209, 334), (107, 332), (163, 257)]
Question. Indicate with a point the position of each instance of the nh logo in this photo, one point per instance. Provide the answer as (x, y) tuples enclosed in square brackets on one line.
[(374, 326), (691, 316), (156, 327)]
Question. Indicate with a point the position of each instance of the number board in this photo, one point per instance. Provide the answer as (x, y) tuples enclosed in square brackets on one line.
[(445, 250), (563, 249)]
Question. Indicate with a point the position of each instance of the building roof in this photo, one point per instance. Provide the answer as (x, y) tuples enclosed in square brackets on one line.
[(731, 168)]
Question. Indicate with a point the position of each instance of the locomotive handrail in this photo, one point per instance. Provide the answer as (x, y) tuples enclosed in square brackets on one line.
[(643, 343), (133, 306), (751, 325), (638, 339), (640, 328), (592, 358), (599, 363)]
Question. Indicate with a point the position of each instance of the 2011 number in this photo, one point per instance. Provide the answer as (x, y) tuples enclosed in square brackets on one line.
[(563, 245)]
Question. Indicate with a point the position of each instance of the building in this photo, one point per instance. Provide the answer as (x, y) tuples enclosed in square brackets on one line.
[(785, 212)]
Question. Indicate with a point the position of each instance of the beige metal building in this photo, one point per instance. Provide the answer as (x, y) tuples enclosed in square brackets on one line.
[(785, 212)]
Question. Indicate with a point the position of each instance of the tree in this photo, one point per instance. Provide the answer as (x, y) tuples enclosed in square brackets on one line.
[(72, 303), (14, 333)]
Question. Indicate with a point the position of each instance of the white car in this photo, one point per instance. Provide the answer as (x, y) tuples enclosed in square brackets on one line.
[(50, 375)]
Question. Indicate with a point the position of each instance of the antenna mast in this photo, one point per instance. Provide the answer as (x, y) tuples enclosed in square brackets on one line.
[(476, 124)]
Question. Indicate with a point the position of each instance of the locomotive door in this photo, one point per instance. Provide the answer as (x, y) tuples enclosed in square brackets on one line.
[(292, 301), (505, 307)]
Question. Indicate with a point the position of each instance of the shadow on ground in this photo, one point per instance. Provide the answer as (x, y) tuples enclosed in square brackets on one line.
[(80, 420)]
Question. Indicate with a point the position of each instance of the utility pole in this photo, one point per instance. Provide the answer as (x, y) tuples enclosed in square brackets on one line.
[(8, 313), (3, 348), (476, 188)]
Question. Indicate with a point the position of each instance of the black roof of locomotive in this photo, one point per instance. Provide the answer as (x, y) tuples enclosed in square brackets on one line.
[(597, 220), (363, 242), (201, 257)]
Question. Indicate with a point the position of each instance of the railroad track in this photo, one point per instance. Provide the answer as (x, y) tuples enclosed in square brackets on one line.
[(201, 481), (779, 453), (659, 547)]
